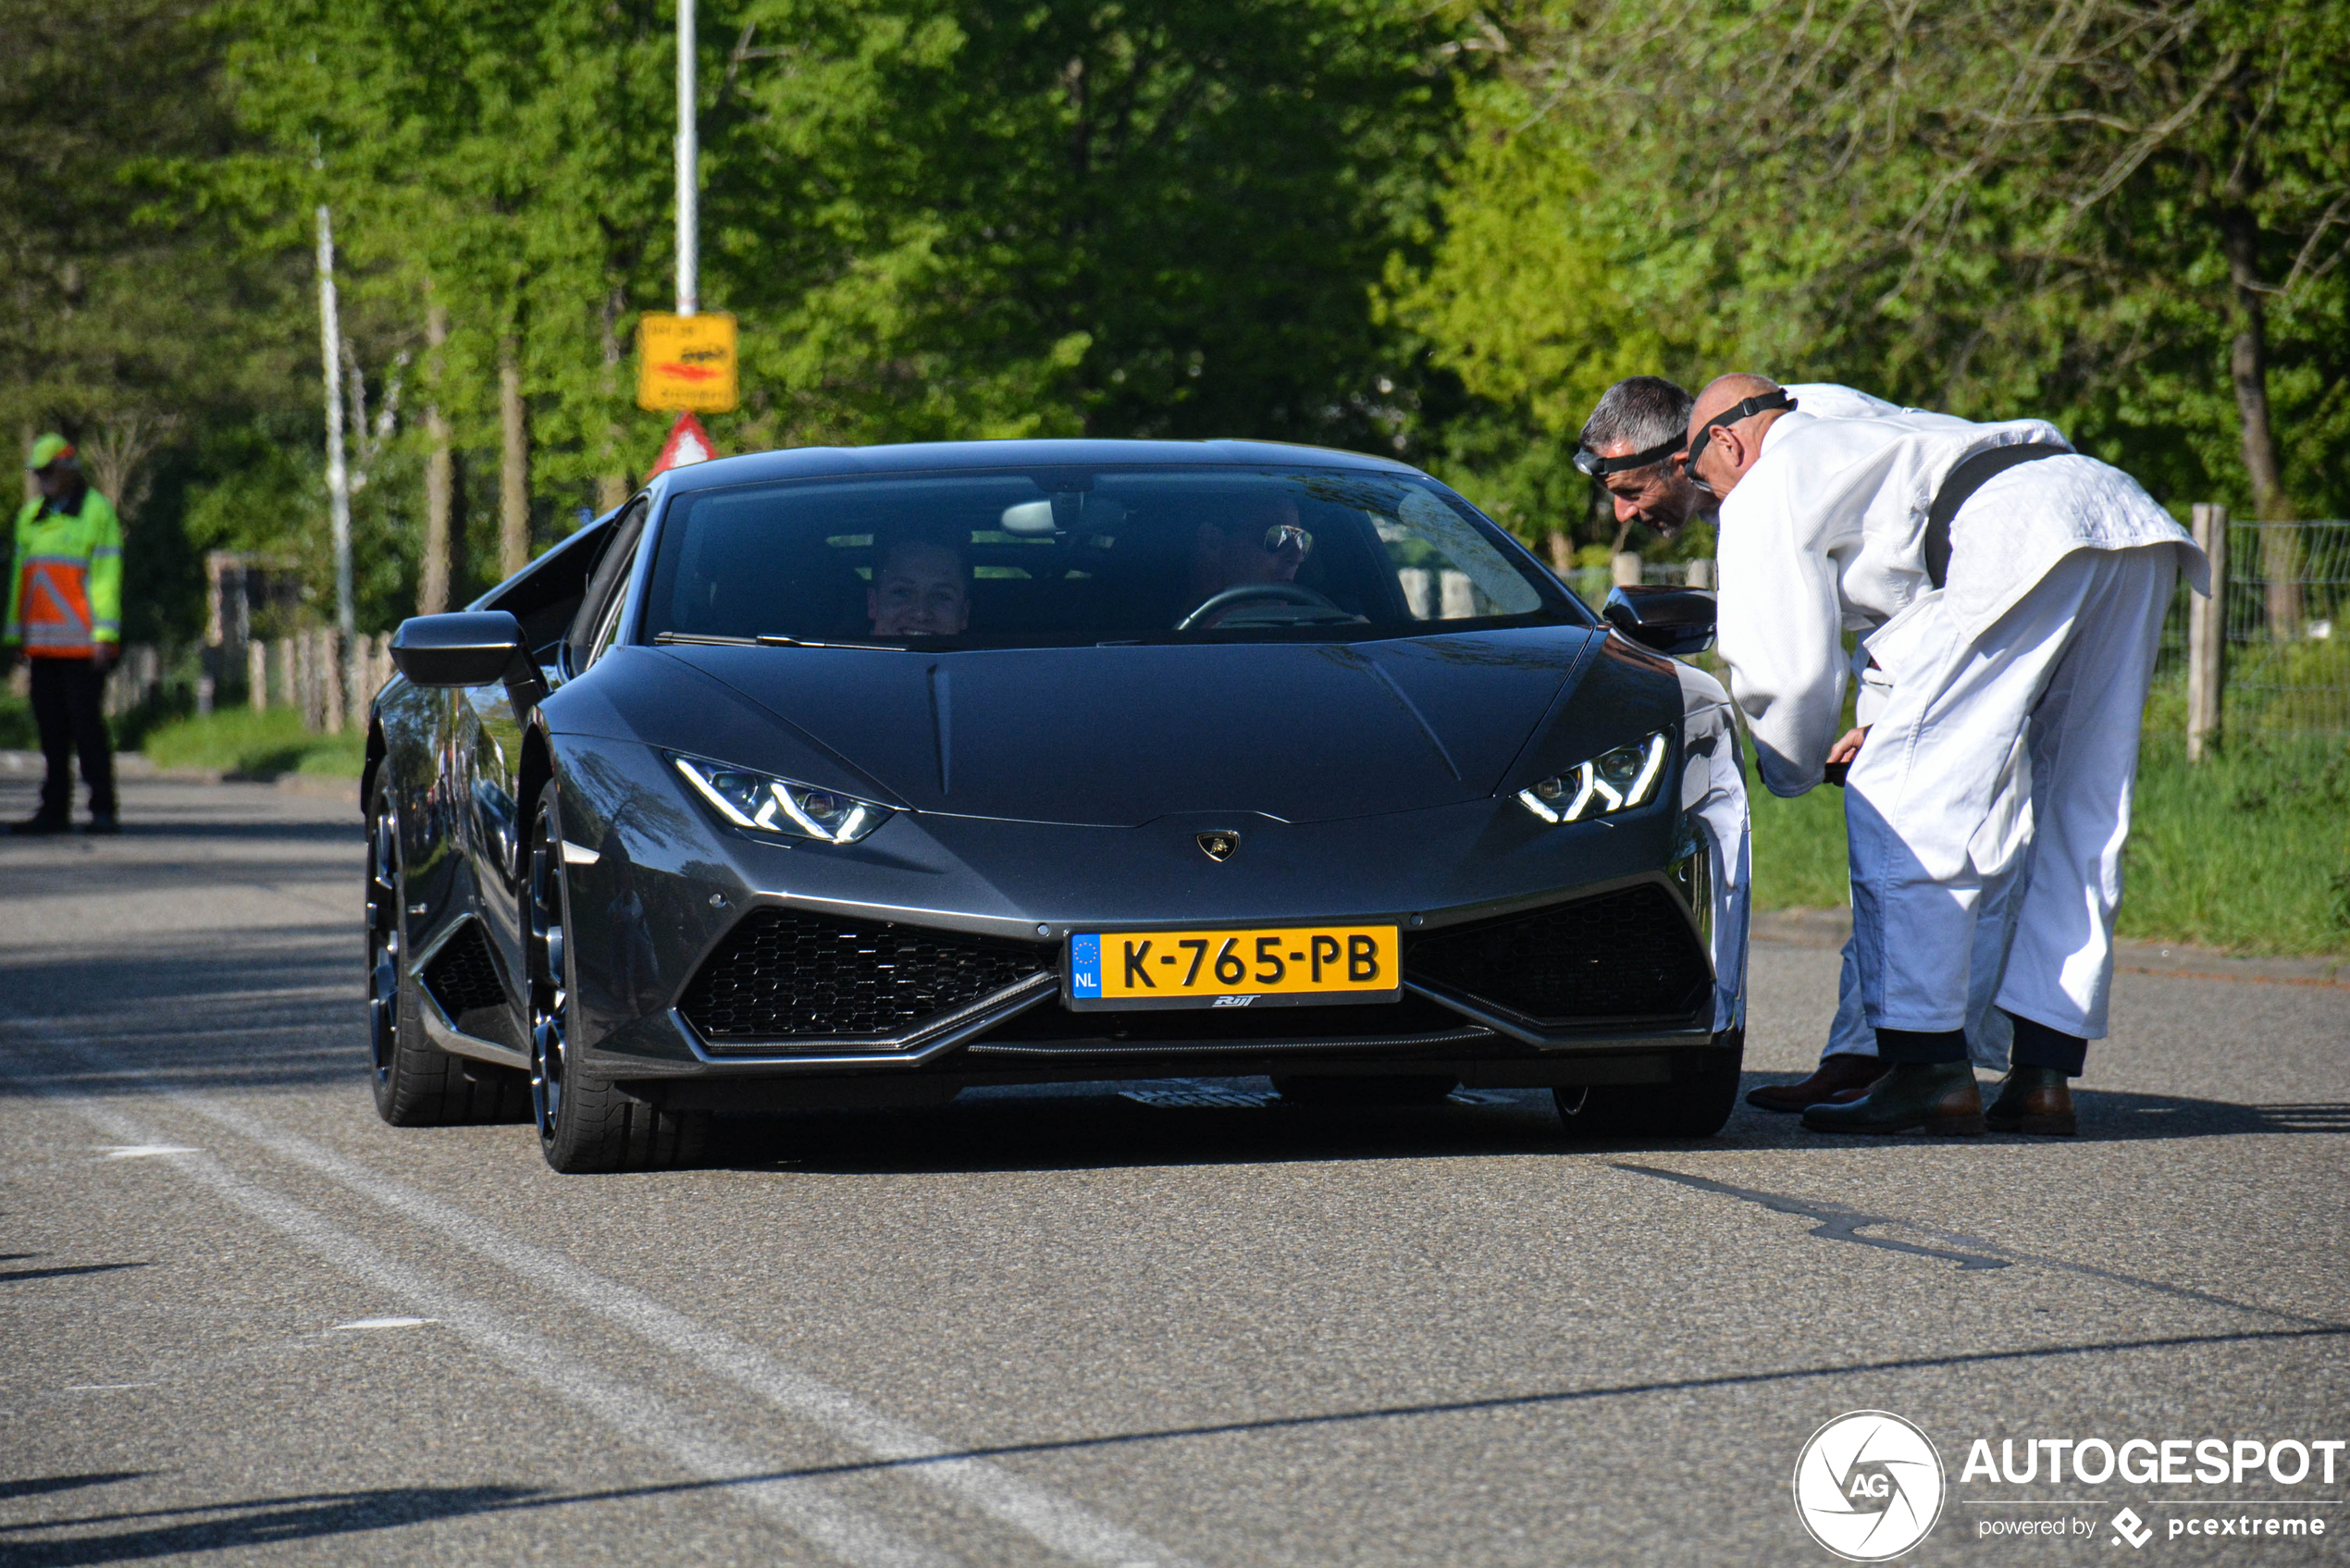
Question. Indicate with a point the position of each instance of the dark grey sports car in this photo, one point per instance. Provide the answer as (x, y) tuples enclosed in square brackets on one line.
[(858, 777)]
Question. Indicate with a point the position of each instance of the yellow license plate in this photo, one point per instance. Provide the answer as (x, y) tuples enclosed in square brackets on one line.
[(1234, 968)]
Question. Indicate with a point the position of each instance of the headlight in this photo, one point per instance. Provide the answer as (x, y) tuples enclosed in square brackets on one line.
[(1614, 781), (766, 803)]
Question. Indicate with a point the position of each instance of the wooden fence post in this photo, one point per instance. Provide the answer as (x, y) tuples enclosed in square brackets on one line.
[(2208, 634), (257, 676), (330, 678)]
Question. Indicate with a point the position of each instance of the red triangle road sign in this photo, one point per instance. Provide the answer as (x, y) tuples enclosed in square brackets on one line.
[(688, 443)]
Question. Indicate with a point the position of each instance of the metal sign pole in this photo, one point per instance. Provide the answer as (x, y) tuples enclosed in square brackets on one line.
[(689, 156), (337, 474)]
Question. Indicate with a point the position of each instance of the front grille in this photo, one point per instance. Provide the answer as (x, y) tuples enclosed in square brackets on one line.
[(782, 974), (1624, 955), (461, 976)]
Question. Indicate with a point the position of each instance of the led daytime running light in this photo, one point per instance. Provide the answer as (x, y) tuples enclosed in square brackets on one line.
[(761, 803), (1592, 794)]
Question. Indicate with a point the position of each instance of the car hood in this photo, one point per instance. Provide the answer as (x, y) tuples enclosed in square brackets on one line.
[(1117, 736)]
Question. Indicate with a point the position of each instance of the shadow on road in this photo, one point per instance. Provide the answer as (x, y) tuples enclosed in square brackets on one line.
[(244, 1525), (1105, 1129)]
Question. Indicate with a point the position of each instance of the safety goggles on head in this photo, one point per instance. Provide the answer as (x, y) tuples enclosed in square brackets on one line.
[(1746, 410), (1280, 536), (1599, 467)]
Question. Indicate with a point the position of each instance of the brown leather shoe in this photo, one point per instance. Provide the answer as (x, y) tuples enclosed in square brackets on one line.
[(1938, 1096), (2036, 1100), (1837, 1073)]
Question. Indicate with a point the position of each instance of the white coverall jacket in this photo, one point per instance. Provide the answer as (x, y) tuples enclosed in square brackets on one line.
[(1997, 845), (1980, 679)]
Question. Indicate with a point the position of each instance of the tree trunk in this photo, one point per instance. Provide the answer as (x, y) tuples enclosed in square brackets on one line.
[(440, 470), (513, 471), (2249, 368)]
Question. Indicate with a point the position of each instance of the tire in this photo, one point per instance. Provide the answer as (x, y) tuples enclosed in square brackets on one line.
[(1332, 1091), (586, 1124), (416, 1084), (1695, 1105)]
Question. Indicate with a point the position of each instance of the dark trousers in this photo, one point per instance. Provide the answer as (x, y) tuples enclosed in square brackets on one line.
[(66, 696)]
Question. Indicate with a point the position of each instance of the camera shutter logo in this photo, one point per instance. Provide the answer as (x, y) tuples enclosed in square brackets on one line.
[(1869, 1485)]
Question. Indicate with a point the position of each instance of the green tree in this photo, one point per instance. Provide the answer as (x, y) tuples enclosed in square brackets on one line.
[(2128, 215)]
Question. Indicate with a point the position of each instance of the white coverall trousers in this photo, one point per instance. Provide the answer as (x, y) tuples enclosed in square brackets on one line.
[(2065, 671), (1996, 852)]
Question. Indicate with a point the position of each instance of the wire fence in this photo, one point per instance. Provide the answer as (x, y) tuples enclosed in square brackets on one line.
[(2286, 665)]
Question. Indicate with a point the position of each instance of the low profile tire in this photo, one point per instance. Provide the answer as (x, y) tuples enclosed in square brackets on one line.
[(586, 1125), (1306, 1088), (1694, 1105), (416, 1084)]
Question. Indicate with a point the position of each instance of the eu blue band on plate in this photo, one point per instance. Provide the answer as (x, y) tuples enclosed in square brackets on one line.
[(1084, 966)]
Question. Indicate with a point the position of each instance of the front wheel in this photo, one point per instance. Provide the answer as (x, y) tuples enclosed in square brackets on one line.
[(586, 1124), (416, 1084), (1704, 1092)]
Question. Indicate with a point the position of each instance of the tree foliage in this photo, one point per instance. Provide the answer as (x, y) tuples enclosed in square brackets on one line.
[(1982, 205)]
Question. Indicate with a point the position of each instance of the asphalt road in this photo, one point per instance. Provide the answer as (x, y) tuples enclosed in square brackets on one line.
[(246, 1322)]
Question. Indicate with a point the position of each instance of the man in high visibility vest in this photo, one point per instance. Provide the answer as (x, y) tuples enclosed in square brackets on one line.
[(65, 612)]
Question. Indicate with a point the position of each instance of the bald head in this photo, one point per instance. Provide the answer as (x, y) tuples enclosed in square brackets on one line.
[(1721, 453)]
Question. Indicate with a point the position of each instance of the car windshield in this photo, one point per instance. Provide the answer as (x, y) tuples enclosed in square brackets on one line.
[(1005, 559)]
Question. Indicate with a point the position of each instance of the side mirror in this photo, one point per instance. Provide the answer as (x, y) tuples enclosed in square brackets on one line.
[(1670, 620), (468, 649)]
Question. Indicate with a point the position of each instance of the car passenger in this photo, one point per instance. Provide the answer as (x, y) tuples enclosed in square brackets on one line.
[(921, 587)]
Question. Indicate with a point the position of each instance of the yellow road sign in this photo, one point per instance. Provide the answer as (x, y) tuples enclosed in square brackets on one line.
[(687, 361)]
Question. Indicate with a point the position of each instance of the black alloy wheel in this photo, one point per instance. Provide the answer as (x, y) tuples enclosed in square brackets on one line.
[(586, 1123), (549, 1004), (385, 940), (416, 1083)]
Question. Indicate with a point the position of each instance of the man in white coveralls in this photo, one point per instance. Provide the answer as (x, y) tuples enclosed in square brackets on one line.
[(1631, 444), (1628, 445), (2010, 594)]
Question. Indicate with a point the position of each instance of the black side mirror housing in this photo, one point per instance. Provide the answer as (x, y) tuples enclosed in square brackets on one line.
[(470, 648), (1674, 621)]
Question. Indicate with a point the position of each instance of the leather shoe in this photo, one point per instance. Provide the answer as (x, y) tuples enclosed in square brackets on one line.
[(104, 824), (40, 825), (2033, 1100), (1938, 1096), (1837, 1073)]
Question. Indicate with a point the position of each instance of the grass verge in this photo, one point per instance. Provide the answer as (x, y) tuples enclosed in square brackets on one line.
[(2248, 850), (241, 743)]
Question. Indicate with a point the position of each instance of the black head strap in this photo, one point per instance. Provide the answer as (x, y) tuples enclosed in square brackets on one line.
[(1597, 466)]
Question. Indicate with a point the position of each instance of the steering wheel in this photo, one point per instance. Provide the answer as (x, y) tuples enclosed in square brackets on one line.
[(1217, 606)]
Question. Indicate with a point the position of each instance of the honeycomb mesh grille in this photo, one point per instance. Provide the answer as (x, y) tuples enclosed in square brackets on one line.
[(1624, 955), (461, 977), (782, 974)]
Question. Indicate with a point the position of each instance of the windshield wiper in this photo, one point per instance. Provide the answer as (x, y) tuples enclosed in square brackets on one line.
[(776, 639), (770, 639)]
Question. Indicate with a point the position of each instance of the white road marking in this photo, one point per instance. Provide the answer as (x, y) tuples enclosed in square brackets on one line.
[(635, 1412), (143, 1151), (1056, 1522), (383, 1323), (1060, 1523), (104, 1387)]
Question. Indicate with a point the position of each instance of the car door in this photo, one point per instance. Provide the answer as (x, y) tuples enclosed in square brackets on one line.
[(485, 735)]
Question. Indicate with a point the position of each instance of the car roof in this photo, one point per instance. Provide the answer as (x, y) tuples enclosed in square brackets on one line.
[(804, 463)]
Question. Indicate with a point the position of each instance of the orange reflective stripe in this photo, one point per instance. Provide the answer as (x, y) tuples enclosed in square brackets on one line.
[(54, 607)]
